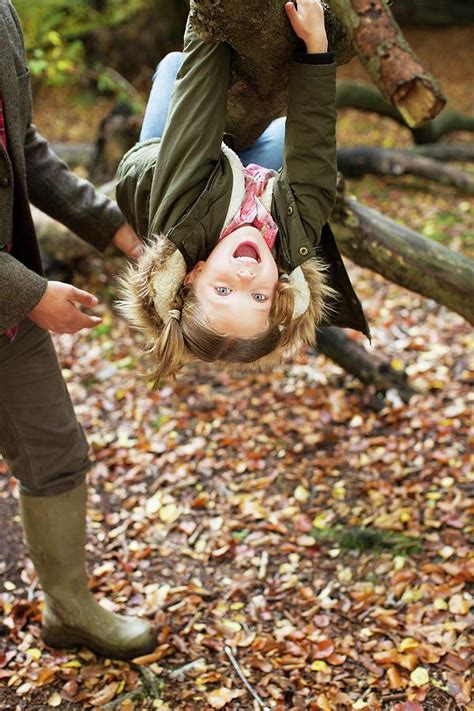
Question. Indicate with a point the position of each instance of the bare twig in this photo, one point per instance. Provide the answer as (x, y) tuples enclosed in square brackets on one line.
[(244, 680), (180, 673)]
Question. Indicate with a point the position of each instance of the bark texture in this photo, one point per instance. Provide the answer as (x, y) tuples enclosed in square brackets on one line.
[(258, 91), (404, 256), (265, 42), (389, 59)]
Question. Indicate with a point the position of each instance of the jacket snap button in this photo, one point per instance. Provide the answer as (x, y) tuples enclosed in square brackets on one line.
[(290, 210), (303, 251), (4, 182)]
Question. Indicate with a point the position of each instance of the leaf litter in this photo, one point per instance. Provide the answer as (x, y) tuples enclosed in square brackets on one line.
[(321, 535)]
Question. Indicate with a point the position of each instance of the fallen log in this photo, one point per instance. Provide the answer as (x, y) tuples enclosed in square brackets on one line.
[(357, 95), (362, 160), (403, 256), (449, 152), (369, 368)]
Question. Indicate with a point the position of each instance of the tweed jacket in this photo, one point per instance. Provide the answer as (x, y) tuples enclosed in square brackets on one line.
[(31, 171), (185, 185)]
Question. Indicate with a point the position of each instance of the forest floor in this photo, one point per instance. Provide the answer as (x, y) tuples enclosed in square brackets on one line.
[(317, 531)]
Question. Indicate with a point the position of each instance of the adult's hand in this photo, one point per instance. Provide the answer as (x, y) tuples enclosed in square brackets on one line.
[(58, 310), (127, 241), (307, 19)]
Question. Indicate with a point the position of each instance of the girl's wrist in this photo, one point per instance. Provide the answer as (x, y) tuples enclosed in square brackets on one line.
[(317, 43)]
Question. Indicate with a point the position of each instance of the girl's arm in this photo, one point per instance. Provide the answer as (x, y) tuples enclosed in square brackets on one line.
[(191, 142), (307, 183)]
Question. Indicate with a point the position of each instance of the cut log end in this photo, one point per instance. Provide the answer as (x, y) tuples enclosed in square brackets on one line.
[(418, 101)]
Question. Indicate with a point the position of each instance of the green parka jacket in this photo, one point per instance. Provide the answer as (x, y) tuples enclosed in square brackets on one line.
[(181, 185)]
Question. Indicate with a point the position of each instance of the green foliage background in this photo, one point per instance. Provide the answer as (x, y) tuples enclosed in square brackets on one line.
[(55, 31)]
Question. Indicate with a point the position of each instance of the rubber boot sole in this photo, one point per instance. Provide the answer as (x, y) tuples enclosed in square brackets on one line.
[(68, 638)]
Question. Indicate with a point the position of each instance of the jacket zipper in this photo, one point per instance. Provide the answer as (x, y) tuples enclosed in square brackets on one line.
[(286, 254)]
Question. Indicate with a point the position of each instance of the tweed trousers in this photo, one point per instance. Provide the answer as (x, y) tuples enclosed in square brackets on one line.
[(40, 437)]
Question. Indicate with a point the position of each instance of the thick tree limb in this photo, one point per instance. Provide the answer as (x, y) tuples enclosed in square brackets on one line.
[(356, 95), (334, 343), (362, 160), (405, 257), (389, 59), (264, 45)]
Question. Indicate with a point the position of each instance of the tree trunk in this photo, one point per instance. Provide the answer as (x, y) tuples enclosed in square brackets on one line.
[(363, 160), (404, 256), (434, 12), (356, 95)]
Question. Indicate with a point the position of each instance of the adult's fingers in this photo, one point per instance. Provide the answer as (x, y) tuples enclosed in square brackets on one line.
[(75, 320), (82, 297)]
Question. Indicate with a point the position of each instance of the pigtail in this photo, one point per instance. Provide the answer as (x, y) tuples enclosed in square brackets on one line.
[(169, 351), (282, 311)]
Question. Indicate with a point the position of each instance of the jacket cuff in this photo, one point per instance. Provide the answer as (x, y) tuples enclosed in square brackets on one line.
[(22, 289), (319, 58)]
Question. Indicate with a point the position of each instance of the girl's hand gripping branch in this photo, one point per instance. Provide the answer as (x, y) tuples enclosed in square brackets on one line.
[(307, 20)]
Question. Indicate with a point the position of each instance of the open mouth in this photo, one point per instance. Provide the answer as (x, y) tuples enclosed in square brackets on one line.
[(247, 252)]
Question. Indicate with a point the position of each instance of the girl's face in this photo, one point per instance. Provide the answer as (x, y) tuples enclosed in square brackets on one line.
[(235, 285)]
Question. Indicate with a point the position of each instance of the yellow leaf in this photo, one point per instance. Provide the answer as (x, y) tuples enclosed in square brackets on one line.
[(360, 704), (169, 513), (153, 505), (440, 604), (345, 575), (301, 494), (407, 643), (459, 605), (320, 521), (319, 665), (55, 699), (34, 653), (419, 676), (231, 625), (220, 697), (74, 664)]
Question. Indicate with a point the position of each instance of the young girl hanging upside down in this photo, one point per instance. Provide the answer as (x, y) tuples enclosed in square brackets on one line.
[(239, 264)]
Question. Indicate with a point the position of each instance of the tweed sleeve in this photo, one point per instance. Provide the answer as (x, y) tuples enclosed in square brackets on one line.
[(74, 202), (21, 289)]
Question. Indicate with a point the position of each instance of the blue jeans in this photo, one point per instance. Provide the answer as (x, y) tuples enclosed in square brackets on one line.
[(267, 150)]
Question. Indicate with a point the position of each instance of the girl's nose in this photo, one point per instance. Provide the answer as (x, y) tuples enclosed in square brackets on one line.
[(246, 274)]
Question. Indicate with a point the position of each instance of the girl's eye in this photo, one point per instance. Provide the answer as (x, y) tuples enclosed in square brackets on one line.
[(260, 297), (222, 290)]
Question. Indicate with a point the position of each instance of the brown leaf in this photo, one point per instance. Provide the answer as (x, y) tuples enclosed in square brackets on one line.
[(322, 649)]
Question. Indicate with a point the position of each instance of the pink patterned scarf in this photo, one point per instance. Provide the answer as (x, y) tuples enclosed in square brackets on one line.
[(252, 212)]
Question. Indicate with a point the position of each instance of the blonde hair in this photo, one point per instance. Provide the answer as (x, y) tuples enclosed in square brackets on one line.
[(185, 334)]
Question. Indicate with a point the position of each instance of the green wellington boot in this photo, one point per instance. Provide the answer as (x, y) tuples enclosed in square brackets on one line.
[(54, 529)]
